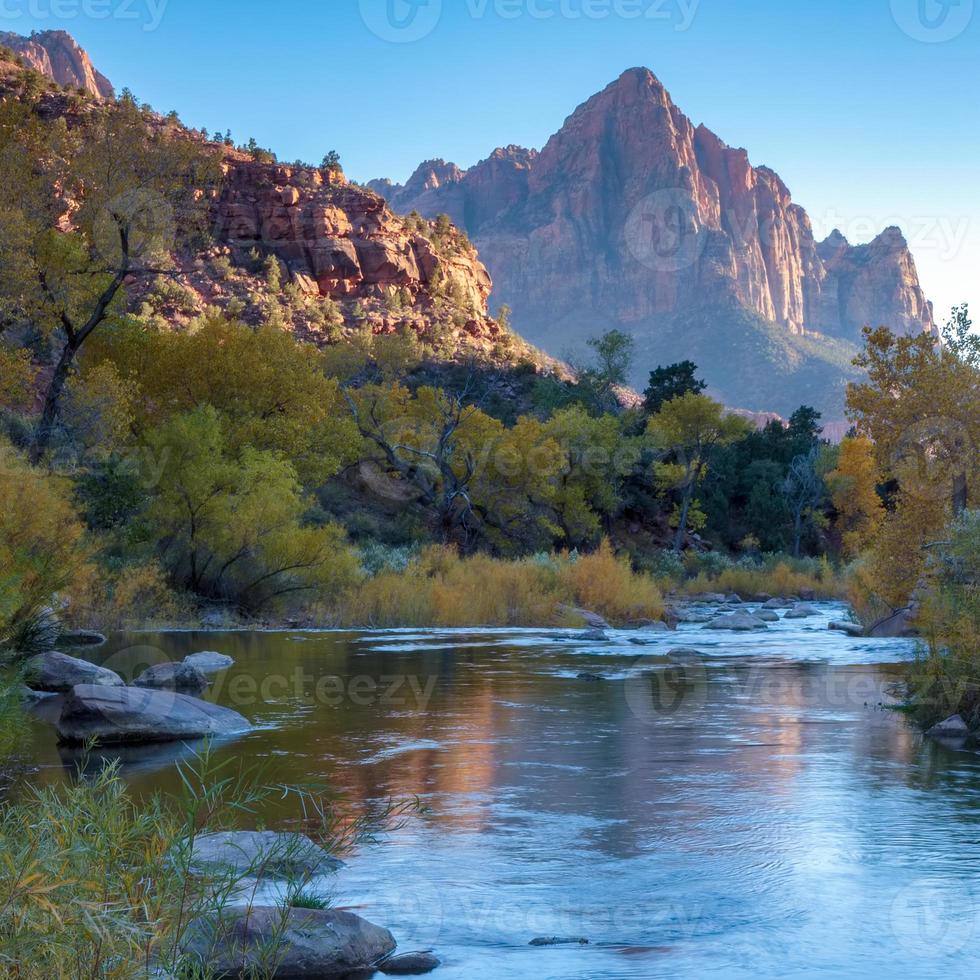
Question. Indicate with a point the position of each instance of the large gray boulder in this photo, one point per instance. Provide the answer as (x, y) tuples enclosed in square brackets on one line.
[(58, 673), (310, 944), (172, 677), (209, 662), (738, 623), (260, 854), (133, 715)]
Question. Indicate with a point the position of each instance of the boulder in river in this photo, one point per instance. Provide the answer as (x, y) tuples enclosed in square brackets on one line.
[(777, 604), (592, 678), (172, 677), (559, 941), (260, 854), (598, 636), (766, 615), (59, 673), (310, 943), (738, 623), (209, 662), (802, 612), (684, 653), (134, 715), (410, 964), (851, 629), (953, 727)]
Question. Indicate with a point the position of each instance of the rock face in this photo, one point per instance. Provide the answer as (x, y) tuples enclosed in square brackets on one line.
[(312, 944), (57, 55), (342, 240), (59, 673), (632, 217), (131, 715)]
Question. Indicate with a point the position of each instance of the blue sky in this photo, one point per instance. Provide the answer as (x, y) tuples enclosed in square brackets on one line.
[(866, 108)]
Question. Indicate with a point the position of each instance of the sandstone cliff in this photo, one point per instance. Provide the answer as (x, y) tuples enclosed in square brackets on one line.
[(56, 55), (633, 217)]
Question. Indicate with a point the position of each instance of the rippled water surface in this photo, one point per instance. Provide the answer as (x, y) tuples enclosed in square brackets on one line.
[(750, 810)]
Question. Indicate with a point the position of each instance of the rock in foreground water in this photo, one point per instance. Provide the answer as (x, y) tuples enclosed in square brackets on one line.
[(59, 673), (954, 727), (134, 715), (311, 943), (264, 854)]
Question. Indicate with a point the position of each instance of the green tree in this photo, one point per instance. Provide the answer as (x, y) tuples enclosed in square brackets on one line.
[(690, 429), (671, 382), (331, 163)]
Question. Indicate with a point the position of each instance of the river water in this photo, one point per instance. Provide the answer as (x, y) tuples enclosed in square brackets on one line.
[(751, 810)]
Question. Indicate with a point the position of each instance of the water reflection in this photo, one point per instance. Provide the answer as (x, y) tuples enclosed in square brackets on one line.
[(752, 811)]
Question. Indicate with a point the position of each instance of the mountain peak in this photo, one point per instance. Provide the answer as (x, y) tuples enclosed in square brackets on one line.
[(58, 56)]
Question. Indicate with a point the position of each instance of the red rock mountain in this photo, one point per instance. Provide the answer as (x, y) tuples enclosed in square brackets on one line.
[(57, 55), (632, 217)]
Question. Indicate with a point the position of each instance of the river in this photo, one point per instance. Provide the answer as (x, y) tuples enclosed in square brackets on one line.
[(751, 811)]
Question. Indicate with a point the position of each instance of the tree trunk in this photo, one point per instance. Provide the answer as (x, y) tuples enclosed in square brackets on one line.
[(682, 523), (797, 533), (52, 402)]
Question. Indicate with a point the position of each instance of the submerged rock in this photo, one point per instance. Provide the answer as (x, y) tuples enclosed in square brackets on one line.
[(260, 854), (59, 673), (134, 715), (592, 678), (410, 964), (81, 638), (559, 941), (209, 662), (597, 635), (310, 943)]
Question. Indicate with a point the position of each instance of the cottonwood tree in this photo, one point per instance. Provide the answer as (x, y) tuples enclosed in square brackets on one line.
[(85, 209), (920, 407), (690, 429), (230, 524)]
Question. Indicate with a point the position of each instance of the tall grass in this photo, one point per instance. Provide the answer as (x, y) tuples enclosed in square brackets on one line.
[(95, 883), (440, 588)]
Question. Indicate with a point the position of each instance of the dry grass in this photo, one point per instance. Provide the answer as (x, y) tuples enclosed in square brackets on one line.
[(779, 580), (442, 589)]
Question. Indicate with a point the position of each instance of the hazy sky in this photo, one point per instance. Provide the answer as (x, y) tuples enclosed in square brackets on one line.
[(868, 109)]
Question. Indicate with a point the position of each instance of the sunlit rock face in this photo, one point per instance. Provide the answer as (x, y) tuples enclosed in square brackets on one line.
[(633, 217), (57, 55)]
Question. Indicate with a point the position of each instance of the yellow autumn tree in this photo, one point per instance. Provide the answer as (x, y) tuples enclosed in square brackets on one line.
[(854, 492), (920, 407)]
